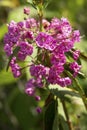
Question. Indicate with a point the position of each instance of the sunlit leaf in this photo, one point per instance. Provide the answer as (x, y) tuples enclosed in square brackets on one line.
[(81, 75), (3, 30), (31, 3), (62, 93), (6, 78), (83, 56)]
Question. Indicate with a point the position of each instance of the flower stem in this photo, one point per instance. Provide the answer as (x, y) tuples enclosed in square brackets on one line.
[(40, 13), (40, 17), (66, 114)]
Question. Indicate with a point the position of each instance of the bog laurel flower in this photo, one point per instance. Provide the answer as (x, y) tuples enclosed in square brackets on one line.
[(75, 68), (46, 41), (76, 54), (16, 69), (26, 10), (30, 87), (53, 45), (25, 50)]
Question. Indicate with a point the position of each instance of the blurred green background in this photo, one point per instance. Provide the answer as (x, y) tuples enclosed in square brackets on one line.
[(17, 110)]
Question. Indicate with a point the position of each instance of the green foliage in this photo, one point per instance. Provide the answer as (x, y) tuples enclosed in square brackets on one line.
[(49, 116), (3, 30), (62, 93), (22, 107), (63, 125), (6, 78), (34, 3)]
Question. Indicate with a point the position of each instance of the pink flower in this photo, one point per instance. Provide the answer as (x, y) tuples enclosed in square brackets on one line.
[(76, 36), (53, 44), (26, 49), (76, 54), (75, 68), (46, 41), (16, 69), (30, 87), (26, 10), (63, 82)]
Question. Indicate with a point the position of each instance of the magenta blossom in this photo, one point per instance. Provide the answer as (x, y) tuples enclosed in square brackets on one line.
[(75, 68), (76, 54), (26, 10), (46, 41), (45, 52)]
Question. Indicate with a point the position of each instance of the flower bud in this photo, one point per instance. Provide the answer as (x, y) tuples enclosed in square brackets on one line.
[(38, 109), (26, 11), (37, 98)]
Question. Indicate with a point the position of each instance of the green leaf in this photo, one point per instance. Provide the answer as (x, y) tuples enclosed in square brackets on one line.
[(46, 3), (63, 123), (83, 56), (23, 108), (56, 122), (69, 56), (79, 61), (3, 30), (81, 75), (62, 93), (49, 116), (31, 3), (15, 52), (6, 78)]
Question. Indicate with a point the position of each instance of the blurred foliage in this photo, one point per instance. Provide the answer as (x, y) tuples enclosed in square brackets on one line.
[(17, 110)]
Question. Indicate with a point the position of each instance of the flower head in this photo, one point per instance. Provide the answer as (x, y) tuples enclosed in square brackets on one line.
[(51, 45)]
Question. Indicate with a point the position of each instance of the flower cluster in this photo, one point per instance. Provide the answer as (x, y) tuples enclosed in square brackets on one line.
[(53, 44)]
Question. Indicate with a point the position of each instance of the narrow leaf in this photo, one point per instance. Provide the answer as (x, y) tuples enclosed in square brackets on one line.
[(83, 56), (81, 75), (49, 116), (63, 123), (46, 3), (62, 93), (79, 61), (56, 122)]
